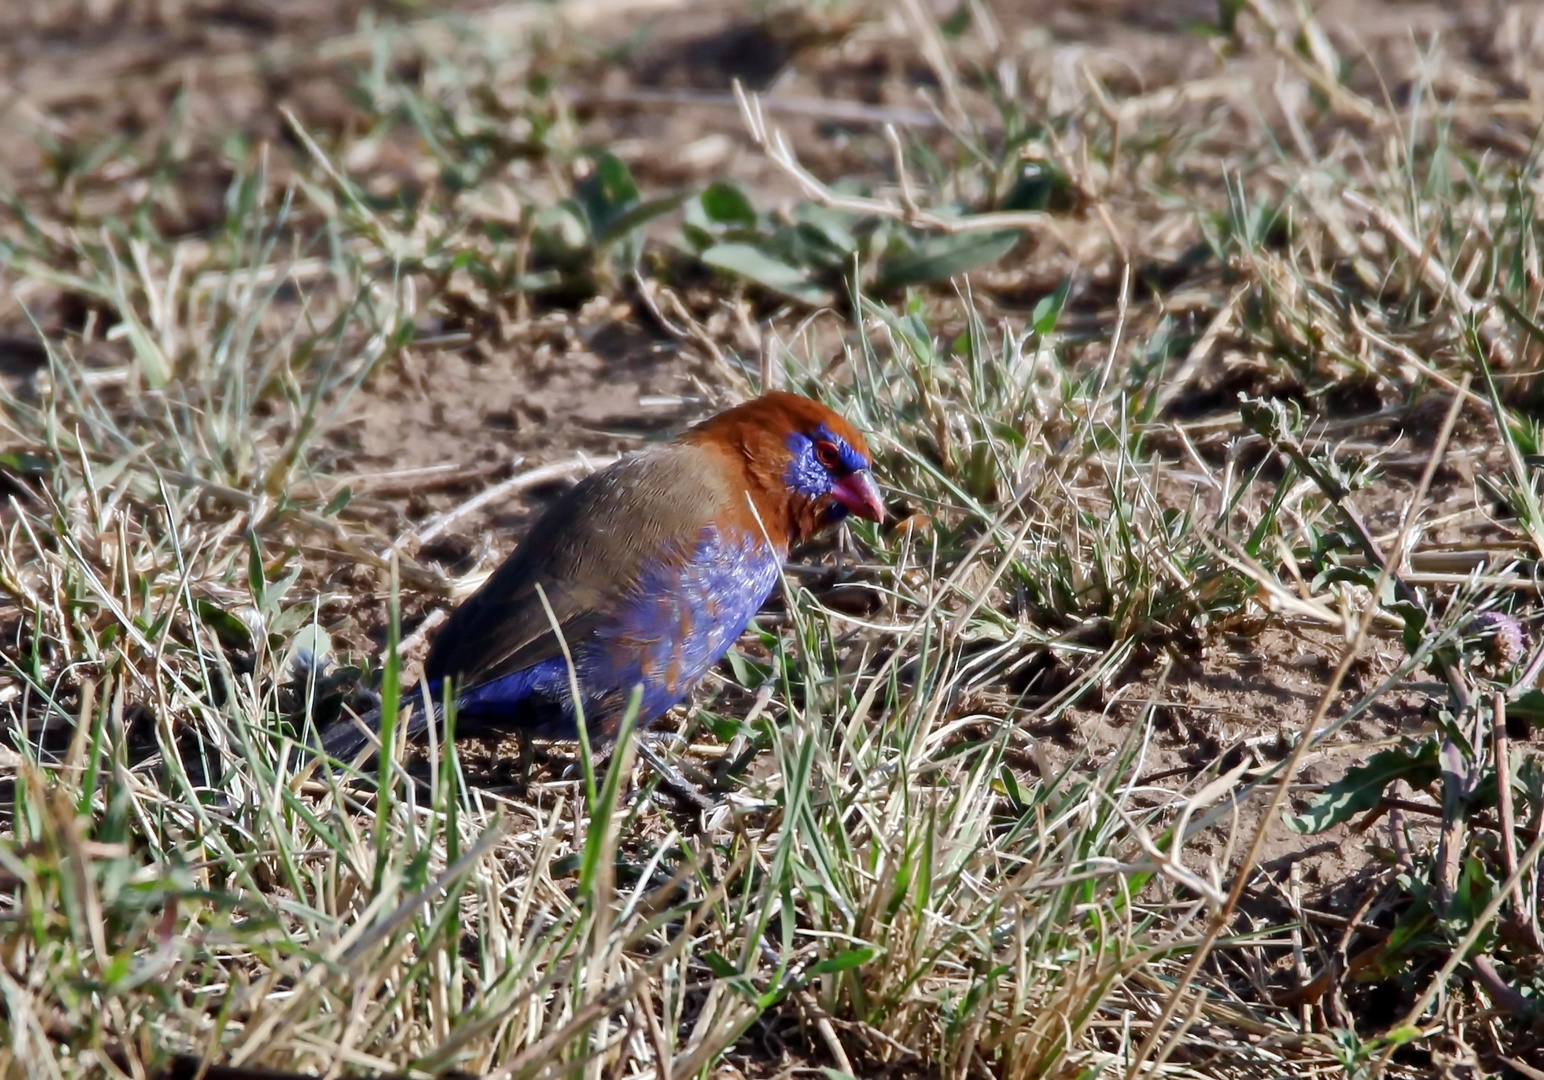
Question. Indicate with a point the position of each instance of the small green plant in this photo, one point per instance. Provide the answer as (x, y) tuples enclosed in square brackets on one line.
[(811, 256)]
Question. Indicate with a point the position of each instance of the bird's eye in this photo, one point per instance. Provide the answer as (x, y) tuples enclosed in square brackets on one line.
[(827, 454)]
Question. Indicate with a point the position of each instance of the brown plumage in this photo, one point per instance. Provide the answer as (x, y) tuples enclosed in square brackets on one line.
[(753, 436)]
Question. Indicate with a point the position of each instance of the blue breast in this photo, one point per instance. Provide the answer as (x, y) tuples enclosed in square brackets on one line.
[(678, 621)]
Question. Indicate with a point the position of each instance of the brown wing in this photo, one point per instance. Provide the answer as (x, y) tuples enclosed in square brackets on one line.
[(587, 552)]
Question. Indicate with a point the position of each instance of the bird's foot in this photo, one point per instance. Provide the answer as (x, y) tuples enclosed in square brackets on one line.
[(685, 792)]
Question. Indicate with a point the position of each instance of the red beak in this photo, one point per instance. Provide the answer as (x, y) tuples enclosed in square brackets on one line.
[(860, 495)]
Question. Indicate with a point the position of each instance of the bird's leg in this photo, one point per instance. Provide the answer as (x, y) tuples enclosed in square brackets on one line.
[(671, 779), (527, 758), (604, 757)]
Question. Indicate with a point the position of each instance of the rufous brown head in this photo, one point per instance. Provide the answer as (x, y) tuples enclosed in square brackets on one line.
[(806, 467)]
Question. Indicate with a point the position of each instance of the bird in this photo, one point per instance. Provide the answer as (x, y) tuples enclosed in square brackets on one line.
[(650, 568)]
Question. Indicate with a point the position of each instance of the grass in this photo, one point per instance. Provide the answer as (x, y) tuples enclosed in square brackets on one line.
[(1175, 387)]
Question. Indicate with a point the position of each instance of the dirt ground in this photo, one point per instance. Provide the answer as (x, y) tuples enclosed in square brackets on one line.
[(481, 399), (595, 381)]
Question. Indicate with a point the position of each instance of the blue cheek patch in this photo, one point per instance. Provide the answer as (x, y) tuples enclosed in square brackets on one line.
[(806, 475)]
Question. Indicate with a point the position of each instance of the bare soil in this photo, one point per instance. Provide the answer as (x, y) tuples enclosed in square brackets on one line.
[(601, 379), (482, 402)]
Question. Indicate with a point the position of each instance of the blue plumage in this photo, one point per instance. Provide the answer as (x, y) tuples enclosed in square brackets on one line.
[(665, 635)]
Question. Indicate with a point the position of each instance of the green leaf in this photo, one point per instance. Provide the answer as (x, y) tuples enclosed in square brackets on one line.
[(747, 672), (1405, 1033), (1414, 630), (829, 228), (537, 282), (25, 464), (1412, 931), (1049, 308), (719, 965), (616, 180), (1040, 185), (606, 192), (275, 591), (1362, 787), (336, 504), (1354, 575), (725, 204), (1010, 787), (566, 866), (696, 236), (1008, 433), (750, 262), (803, 245), (1529, 706), (232, 632), (311, 646), (940, 258), (639, 215), (117, 969), (600, 836), (561, 229), (843, 961), (152, 361), (1270, 418), (1515, 313), (256, 582), (287, 621), (955, 25)]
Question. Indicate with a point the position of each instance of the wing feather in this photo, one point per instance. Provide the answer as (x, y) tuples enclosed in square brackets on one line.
[(587, 553)]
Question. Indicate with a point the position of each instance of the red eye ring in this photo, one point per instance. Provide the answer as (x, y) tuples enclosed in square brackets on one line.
[(827, 454)]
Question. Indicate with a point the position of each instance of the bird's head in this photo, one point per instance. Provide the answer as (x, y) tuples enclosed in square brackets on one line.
[(805, 467)]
